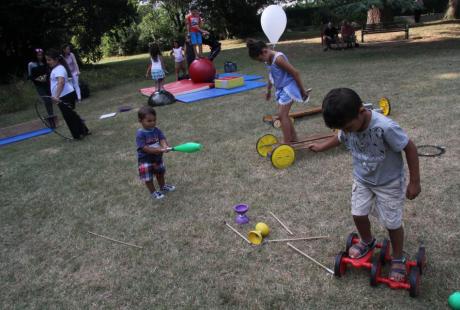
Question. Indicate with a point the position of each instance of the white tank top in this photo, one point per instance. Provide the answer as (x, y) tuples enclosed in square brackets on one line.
[(178, 56), (156, 65)]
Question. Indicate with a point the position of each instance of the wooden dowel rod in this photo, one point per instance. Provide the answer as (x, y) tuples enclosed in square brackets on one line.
[(237, 232), (297, 239), (114, 240), (310, 258), (282, 224)]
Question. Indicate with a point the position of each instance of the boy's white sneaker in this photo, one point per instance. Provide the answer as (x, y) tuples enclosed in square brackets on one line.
[(157, 195), (168, 188)]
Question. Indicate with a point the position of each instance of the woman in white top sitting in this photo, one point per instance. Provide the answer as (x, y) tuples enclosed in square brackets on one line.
[(63, 93), (156, 67), (179, 60), (74, 69)]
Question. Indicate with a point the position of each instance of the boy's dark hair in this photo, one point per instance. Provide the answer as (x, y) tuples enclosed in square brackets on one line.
[(255, 47), (144, 111), (340, 106), (193, 7), (154, 51)]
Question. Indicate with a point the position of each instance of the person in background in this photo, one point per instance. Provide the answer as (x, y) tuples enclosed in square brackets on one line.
[(63, 93), (189, 51), (214, 44), (373, 15), (194, 24), (331, 35), (38, 73), (177, 53), (74, 69), (419, 5), (348, 34), (156, 68)]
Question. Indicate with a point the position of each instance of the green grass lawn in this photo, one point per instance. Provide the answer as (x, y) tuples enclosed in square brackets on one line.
[(52, 192)]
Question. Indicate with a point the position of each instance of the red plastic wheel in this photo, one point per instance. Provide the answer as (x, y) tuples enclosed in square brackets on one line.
[(339, 267), (414, 281), (376, 270), (421, 259), (350, 238), (385, 251)]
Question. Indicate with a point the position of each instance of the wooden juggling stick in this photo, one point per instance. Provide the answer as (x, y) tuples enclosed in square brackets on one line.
[(310, 258), (282, 224)]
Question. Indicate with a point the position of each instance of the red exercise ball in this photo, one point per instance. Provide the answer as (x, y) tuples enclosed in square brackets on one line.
[(202, 71)]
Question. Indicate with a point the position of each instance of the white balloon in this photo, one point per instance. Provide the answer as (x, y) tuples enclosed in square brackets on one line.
[(273, 21)]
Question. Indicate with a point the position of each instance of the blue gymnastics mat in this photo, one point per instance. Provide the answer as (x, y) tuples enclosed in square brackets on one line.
[(245, 76), (218, 92), (24, 136)]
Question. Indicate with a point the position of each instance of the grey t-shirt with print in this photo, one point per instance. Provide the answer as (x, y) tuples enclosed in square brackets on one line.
[(376, 151)]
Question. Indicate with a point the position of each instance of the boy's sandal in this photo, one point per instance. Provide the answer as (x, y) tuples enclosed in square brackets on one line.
[(362, 248), (398, 273)]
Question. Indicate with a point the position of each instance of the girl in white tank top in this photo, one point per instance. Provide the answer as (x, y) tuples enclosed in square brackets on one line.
[(156, 67), (177, 53)]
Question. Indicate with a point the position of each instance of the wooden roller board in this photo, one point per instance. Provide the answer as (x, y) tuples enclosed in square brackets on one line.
[(274, 119), (283, 155)]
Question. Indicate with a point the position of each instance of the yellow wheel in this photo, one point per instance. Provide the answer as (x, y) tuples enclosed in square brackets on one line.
[(385, 106), (277, 123), (282, 156), (265, 144)]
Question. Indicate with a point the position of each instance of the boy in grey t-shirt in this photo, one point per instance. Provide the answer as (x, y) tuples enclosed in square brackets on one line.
[(376, 143)]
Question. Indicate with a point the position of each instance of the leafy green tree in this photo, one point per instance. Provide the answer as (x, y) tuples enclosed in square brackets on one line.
[(26, 24), (356, 9)]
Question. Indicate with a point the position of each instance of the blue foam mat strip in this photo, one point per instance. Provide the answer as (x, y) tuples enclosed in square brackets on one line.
[(245, 76), (24, 136), (218, 92)]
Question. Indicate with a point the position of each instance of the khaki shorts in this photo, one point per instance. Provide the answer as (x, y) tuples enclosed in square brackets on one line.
[(384, 202), (180, 65)]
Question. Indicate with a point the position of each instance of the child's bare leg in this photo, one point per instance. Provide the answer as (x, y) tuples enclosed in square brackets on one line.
[(160, 84), (289, 134), (195, 49), (176, 70), (397, 242), (363, 225), (161, 179), (150, 186), (200, 47)]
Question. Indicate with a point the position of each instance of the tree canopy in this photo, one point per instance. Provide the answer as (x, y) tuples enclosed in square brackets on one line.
[(27, 24)]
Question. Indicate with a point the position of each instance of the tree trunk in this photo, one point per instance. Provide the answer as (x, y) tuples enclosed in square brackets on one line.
[(452, 11)]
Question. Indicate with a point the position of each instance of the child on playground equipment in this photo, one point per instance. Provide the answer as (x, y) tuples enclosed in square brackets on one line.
[(287, 82), (151, 144), (376, 143), (194, 24), (177, 53), (156, 69)]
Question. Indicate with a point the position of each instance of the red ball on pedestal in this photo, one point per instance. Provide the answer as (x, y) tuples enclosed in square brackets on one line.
[(202, 71)]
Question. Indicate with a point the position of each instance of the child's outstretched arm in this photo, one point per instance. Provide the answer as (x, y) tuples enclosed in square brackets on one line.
[(325, 145), (286, 66), (164, 145), (413, 188), (153, 150)]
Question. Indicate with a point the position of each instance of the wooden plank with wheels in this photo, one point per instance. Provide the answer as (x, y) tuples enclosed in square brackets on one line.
[(283, 155), (384, 107), (275, 122)]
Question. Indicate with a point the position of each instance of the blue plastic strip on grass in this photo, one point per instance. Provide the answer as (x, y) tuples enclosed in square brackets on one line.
[(218, 92), (24, 136), (246, 77)]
